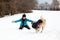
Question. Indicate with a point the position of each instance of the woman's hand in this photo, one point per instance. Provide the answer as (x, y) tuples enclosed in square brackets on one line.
[(13, 21)]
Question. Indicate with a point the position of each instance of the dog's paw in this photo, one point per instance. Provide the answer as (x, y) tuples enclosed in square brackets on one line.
[(41, 32)]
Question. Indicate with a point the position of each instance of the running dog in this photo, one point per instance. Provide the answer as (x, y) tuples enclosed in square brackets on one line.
[(39, 24)]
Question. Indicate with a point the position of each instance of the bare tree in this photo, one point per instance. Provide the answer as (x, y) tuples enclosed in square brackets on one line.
[(23, 5), (16, 6), (4, 7), (55, 5)]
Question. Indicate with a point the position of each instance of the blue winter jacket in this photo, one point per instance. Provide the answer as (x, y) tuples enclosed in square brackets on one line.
[(25, 22)]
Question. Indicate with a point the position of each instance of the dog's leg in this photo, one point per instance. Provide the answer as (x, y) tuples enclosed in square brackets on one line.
[(42, 29), (43, 25), (37, 30)]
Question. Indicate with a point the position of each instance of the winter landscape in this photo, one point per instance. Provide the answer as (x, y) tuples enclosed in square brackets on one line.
[(10, 31)]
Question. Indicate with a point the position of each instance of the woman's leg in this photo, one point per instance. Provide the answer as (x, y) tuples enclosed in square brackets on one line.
[(27, 27), (21, 27)]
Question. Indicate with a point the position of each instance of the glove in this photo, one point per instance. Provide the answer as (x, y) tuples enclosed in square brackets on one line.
[(32, 22), (13, 21)]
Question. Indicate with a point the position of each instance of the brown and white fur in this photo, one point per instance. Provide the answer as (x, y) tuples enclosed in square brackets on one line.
[(41, 25)]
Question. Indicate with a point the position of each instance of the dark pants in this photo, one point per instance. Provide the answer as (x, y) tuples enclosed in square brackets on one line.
[(25, 27)]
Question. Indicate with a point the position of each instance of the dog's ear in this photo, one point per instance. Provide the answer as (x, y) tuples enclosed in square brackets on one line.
[(42, 18)]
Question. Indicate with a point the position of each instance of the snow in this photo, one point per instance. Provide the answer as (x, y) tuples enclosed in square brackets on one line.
[(10, 31)]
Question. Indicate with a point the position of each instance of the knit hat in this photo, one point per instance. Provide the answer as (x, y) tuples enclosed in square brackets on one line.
[(24, 15)]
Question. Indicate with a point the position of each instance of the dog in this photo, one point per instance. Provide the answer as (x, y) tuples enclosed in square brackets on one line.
[(39, 24)]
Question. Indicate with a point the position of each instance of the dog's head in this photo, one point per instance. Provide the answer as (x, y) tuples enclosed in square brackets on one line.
[(44, 21)]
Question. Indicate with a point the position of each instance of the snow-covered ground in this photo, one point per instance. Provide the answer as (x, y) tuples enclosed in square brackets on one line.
[(10, 31)]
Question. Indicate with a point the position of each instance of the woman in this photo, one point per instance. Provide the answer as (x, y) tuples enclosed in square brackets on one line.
[(23, 21)]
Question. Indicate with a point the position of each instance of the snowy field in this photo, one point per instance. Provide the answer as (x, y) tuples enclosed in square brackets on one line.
[(10, 31)]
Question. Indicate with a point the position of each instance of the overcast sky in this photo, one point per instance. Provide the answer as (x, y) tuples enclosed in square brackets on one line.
[(43, 1)]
